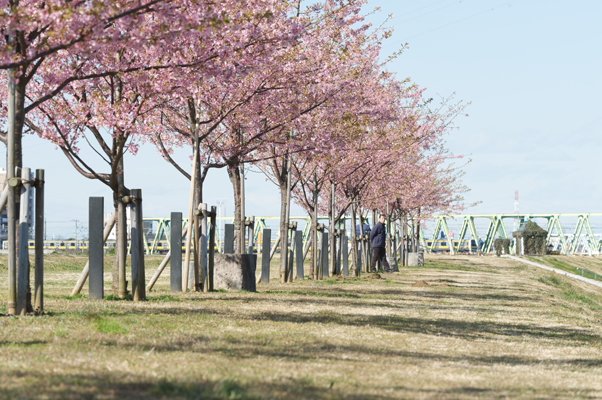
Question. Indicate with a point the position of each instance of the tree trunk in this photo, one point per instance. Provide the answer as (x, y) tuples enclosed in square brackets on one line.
[(234, 174), (285, 198), (332, 238), (314, 230), (354, 265)]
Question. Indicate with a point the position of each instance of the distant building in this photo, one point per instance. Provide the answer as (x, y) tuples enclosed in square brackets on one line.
[(3, 216)]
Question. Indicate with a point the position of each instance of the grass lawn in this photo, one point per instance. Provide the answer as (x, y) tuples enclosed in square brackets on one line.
[(475, 328)]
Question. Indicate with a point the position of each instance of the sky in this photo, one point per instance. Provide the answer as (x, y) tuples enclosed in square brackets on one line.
[(529, 69)]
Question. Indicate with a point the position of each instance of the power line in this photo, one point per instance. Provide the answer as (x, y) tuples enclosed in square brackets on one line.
[(457, 21)]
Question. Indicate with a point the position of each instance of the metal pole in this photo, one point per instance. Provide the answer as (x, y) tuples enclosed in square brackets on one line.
[(39, 239)]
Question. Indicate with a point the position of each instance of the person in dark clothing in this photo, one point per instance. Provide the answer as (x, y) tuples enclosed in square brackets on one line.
[(378, 238), (366, 227)]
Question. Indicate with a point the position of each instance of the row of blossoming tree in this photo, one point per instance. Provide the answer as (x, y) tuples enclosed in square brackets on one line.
[(294, 89)]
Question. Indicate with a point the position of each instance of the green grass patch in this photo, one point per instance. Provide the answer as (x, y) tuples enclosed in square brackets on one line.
[(77, 296), (105, 325), (114, 297), (163, 298)]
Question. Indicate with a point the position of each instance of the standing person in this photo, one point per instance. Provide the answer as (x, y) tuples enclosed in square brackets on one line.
[(480, 247), (378, 237), (366, 227)]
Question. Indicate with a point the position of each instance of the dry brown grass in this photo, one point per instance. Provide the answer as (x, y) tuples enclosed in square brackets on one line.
[(484, 328)]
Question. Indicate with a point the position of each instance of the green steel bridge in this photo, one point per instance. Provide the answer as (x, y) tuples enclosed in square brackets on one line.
[(580, 240)]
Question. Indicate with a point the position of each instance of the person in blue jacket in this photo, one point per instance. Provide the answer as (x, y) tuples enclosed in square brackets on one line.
[(366, 227), (378, 237), (480, 247)]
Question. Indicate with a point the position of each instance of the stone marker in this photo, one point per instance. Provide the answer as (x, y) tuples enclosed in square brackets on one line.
[(229, 239), (345, 251), (176, 252), (266, 240), (95, 248), (235, 272), (416, 259), (299, 255), (325, 254)]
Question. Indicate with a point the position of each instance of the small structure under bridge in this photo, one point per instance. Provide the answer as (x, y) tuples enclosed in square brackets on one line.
[(580, 240)]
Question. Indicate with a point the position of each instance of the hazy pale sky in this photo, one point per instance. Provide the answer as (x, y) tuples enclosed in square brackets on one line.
[(531, 70)]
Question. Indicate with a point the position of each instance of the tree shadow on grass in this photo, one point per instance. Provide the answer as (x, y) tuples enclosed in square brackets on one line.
[(102, 385), (440, 327)]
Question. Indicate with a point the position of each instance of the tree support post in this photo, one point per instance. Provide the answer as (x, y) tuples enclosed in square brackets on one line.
[(266, 241), (85, 272), (291, 252), (176, 249), (203, 246), (95, 249), (251, 228), (137, 246), (211, 263), (299, 255), (122, 244), (38, 306), (23, 272)]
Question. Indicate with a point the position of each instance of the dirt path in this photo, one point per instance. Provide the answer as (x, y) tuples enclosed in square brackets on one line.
[(476, 328)]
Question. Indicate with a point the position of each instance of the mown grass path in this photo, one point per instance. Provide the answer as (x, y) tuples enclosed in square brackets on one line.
[(483, 328)]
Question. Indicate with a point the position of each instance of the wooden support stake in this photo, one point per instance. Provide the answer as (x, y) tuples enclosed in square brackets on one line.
[(38, 306), (161, 267), (276, 243)]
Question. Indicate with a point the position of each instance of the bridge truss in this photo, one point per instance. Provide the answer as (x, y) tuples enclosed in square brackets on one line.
[(582, 240)]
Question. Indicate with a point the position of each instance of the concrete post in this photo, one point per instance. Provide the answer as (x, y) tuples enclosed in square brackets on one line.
[(211, 260), (122, 246), (345, 251), (176, 252), (137, 246), (229, 238), (266, 240), (95, 248), (39, 238), (204, 242), (325, 254), (251, 224), (23, 272), (134, 243), (291, 252), (299, 255)]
